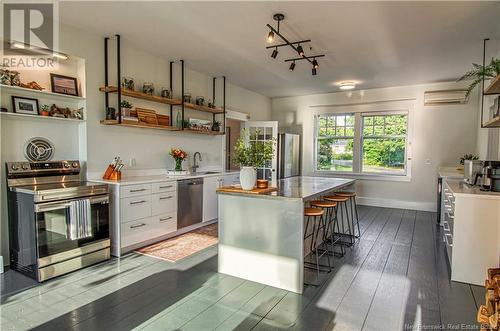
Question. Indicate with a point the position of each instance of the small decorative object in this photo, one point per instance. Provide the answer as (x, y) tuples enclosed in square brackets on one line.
[(216, 126), (468, 157), (24, 105), (128, 83), (250, 156), (200, 125), (77, 113), (477, 73), (15, 79), (111, 113), (44, 110), (32, 85), (4, 76), (125, 108), (211, 104), (178, 120), (179, 155), (262, 183), (187, 97), (60, 112), (64, 84), (166, 93), (200, 101), (3, 110), (186, 124), (148, 88)]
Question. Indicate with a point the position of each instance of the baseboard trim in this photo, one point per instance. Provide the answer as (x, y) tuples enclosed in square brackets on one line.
[(392, 203)]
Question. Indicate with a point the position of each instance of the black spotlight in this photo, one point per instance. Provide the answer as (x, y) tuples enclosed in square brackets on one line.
[(300, 50), (314, 72), (315, 64), (275, 53), (292, 66), (270, 37)]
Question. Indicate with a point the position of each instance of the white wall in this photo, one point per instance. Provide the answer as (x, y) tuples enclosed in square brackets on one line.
[(441, 134)]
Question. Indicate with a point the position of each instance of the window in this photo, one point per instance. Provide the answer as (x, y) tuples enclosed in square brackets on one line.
[(335, 142), (363, 143)]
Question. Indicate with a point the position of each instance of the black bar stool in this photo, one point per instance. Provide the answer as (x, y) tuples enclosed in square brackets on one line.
[(315, 217), (343, 217), (354, 210), (332, 226)]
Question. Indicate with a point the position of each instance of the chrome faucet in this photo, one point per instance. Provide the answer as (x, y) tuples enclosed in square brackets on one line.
[(195, 165)]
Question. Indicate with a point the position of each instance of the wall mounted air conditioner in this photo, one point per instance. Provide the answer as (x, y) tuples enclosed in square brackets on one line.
[(445, 97)]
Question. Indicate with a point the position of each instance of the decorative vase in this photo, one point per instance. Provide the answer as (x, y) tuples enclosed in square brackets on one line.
[(178, 164), (248, 177)]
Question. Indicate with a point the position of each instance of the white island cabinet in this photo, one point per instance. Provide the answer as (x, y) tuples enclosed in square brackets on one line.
[(210, 186)]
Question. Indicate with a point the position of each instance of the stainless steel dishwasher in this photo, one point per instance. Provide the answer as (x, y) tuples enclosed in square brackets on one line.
[(189, 202)]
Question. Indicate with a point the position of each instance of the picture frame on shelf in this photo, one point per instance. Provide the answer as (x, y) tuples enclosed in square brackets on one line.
[(23, 105), (64, 84)]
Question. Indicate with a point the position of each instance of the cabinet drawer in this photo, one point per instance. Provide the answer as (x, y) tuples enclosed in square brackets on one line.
[(136, 231), (163, 203), (135, 190), (164, 224), (135, 208), (164, 187)]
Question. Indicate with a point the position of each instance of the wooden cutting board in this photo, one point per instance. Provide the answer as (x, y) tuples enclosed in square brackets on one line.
[(238, 189)]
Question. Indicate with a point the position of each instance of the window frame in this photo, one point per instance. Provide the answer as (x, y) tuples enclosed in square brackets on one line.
[(358, 141)]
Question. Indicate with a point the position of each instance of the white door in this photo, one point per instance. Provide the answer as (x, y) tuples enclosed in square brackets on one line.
[(268, 130)]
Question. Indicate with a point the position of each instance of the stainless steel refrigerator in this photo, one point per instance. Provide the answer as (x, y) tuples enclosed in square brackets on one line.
[(288, 155)]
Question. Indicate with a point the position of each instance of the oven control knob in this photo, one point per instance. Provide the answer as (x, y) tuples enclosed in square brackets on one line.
[(66, 165), (25, 167), (75, 165), (14, 167)]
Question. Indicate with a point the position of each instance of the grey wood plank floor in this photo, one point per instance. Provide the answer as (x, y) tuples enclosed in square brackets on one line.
[(394, 278)]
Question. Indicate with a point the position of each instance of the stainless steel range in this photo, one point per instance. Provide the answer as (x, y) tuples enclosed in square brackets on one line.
[(57, 223)]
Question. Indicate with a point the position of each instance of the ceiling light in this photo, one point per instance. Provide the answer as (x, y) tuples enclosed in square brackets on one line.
[(315, 64), (314, 71), (292, 66), (300, 50), (19, 45), (270, 37), (347, 85), (275, 53)]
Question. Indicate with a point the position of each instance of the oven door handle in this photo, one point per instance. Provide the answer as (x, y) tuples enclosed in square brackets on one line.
[(43, 207)]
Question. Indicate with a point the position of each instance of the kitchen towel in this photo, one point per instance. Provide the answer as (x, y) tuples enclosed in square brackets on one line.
[(80, 222)]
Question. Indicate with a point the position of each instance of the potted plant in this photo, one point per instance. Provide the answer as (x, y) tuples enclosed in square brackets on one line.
[(179, 155), (478, 72), (250, 154), (125, 107), (44, 110), (216, 126)]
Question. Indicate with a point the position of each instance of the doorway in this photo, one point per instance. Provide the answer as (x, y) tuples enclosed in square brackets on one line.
[(233, 131)]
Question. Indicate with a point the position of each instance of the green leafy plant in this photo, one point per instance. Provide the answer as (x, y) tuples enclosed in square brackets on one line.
[(186, 124), (477, 73), (468, 157), (125, 104), (251, 152), (45, 108), (216, 126)]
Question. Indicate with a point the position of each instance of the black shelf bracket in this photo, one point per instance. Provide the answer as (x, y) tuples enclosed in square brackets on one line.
[(119, 77), (171, 87)]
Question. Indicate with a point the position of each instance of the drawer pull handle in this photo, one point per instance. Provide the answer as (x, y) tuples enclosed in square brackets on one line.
[(137, 225), (164, 198), (165, 219), (137, 202), (138, 190), (169, 186)]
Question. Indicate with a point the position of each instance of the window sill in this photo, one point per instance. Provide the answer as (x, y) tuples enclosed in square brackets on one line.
[(381, 177)]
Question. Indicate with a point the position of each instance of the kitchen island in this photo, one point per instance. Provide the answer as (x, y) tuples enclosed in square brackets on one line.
[(261, 235)]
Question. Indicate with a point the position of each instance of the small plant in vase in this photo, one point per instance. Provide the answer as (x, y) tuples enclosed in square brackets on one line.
[(216, 126), (179, 155), (45, 110), (125, 107), (250, 154)]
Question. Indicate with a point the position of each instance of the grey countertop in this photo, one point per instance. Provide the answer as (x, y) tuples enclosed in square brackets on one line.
[(459, 187), (304, 188)]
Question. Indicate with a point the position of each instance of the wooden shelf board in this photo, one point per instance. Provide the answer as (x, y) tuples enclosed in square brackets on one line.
[(39, 117), (159, 127), (203, 108), (492, 123), (494, 87), (210, 133), (43, 92), (140, 95)]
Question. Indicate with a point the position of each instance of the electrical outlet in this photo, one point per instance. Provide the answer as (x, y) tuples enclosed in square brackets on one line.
[(132, 162), (428, 161)]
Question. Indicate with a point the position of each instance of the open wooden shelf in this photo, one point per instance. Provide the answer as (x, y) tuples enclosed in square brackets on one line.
[(14, 89), (140, 95), (492, 123), (203, 108), (158, 127), (494, 87), (39, 117)]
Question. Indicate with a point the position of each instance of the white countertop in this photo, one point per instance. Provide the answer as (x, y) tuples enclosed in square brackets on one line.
[(132, 180), (459, 187), (450, 172)]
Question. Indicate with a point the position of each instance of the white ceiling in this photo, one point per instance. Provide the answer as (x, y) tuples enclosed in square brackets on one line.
[(376, 43)]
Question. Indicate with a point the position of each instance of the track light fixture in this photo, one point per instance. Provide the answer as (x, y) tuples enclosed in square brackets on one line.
[(295, 45), (314, 72), (275, 53)]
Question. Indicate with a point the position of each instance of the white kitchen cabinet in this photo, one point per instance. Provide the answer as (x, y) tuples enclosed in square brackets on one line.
[(210, 186), (231, 179)]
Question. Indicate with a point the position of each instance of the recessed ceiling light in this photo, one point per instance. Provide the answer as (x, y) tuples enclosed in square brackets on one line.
[(347, 85)]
